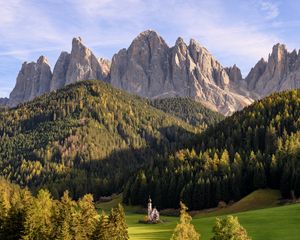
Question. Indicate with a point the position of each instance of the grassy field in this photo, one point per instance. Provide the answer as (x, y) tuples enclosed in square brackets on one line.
[(259, 199), (277, 223), (258, 212)]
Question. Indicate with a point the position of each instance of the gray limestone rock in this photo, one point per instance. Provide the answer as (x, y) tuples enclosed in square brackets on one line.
[(83, 64), (280, 72), (33, 80), (60, 71), (150, 68)]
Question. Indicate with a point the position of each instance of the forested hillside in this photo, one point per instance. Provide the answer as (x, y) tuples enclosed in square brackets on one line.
[(256, 148), (188, 110), (87, 137)]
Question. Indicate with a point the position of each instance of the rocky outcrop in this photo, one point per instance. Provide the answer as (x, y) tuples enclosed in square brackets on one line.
[(234, 73), (83, 64), (60, 71), (151, 69), (280, 72), (143, 68), (33, 80)]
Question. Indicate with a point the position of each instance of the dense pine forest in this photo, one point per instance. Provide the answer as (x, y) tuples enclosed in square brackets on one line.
[(188, 110), (256, 148), (87, 138)]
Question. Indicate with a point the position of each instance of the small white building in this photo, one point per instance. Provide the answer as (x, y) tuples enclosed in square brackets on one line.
[(153, 214)]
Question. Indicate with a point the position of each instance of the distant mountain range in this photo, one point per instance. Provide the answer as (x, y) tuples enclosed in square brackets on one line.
[(152, 69)]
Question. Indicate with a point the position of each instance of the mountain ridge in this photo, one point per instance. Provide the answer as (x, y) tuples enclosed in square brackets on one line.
[(152, 69)]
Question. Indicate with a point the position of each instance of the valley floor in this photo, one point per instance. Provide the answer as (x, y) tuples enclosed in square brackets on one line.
[(275, 223)]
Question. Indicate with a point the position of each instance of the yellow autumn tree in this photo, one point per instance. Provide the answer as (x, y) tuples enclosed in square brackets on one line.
[(184, 229)]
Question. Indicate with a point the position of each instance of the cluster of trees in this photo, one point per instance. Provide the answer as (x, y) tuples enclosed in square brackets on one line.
[(256, 148), (23, 216), (87, 137), (188, 110), (227, 228)]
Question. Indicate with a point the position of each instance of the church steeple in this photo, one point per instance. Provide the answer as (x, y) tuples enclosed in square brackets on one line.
[(149, 207), (153, 214)]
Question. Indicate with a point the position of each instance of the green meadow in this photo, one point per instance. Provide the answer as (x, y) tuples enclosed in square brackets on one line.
[(277, 223), (258, 212)]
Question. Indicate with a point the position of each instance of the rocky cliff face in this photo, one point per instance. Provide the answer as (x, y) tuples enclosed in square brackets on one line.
[(81, 64), (142, 69), (150, 68), (60, 71), (33, 80), (280, 72), (234, 73)]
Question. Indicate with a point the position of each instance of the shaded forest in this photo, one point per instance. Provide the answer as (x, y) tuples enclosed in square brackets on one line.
[(257, 147), (87, 138), (188, 110)]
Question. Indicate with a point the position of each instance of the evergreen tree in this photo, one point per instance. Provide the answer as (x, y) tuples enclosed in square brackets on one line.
[(185, 230), (229, 228), (88, 216), (117, 224), (38, 224), (102, 230), (259, 176)]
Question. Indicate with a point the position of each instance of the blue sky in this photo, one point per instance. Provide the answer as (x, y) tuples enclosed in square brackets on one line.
[(234, 31)]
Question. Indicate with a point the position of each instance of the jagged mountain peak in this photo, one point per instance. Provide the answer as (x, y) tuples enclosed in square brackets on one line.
[(77, 40), (150, 68), (42, 59), (148, 33), (33, 80), (279, 52), (148, 39), (280, 72), (179, 41), (234, 73)]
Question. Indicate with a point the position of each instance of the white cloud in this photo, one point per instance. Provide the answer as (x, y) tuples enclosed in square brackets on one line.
[(270, 9), (227, 38), (23, 26)]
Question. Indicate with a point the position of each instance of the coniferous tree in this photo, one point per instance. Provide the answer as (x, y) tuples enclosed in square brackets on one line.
[(229, 228), (117, 224), (102, 230), (38, 220), (184, 229)]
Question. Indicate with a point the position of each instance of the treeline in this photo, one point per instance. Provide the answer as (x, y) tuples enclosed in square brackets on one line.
[(86, 137), (23, 216), (190, 111), (256, 148)]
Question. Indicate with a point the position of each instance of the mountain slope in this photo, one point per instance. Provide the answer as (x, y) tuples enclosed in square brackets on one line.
[(258, 147), (188, 110), (87, 137)]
